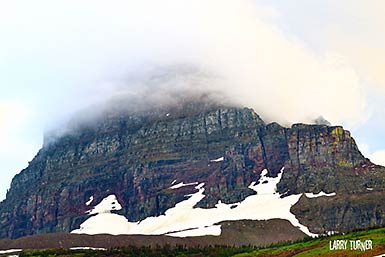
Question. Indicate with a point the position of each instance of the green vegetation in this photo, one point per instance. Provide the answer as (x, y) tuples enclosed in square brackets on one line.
[(320, 246), (158, 251)]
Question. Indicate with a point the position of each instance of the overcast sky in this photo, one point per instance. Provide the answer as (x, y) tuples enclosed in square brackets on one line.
[(292, 61)]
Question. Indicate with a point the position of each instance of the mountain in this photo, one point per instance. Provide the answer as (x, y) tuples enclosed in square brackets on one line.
[(217, 162)]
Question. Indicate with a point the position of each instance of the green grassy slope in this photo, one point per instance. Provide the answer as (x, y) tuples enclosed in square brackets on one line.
[(321, 246)]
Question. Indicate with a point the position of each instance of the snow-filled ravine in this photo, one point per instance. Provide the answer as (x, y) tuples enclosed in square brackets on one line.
[(184, 220)]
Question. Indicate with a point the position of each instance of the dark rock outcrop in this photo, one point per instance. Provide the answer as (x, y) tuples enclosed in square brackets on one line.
[(137, 156)]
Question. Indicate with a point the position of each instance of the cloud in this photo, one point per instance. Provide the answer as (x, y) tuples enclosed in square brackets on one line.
[(16, 146), (378, 157), (2, 116), (79, 54), (355, 30), (14, 119)]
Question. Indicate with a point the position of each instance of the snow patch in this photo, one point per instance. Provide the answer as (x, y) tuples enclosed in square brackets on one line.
[(181, 184), (184, 220), (330, 233), (173, 182), (201, 185), (369, 188), (104, 220), (265, 188), (10, 251), (168, 114), (220, 159), (109, 223), (214, 230), (90, 200), (88, 248), (311, 195), (108, 204)]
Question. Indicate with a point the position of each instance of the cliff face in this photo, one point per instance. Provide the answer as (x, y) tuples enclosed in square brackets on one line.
[(138, 156)]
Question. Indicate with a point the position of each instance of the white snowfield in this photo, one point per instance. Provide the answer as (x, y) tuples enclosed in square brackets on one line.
[(10, 251), (330, 233), (88, 248), (107, 205), (214, 230), (220, 159), (184, 220), (181, 184), (311, 195), (90, 201)]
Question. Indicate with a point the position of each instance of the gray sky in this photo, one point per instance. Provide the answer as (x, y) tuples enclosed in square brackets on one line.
[(290, 60)]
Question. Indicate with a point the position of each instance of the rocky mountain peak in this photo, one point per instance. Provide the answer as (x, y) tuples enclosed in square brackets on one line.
[(138, 155)]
